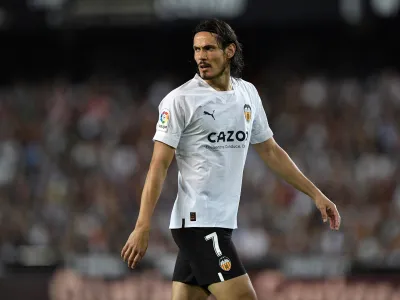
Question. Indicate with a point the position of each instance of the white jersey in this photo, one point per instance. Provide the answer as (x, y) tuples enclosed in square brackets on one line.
[(211, 131)]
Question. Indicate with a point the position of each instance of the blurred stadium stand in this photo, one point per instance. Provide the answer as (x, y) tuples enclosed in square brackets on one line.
[(80, 82)]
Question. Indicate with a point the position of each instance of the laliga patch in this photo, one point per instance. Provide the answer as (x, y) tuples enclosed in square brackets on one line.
[(163, 121), (225, 263)]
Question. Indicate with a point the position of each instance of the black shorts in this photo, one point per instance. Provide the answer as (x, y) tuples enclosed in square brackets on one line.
[(206, 256)]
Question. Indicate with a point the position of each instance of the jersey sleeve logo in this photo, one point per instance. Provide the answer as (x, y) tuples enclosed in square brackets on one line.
[(247, 112), (163, 121)]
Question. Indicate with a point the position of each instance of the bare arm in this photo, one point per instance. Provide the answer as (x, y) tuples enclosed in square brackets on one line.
[(282, 165), (160, 162), (137, 243)]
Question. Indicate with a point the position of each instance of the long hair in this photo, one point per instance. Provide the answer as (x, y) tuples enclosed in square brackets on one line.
[(225, 36)]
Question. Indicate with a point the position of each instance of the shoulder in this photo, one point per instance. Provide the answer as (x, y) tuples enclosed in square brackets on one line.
[(245, 86), (185, 93)]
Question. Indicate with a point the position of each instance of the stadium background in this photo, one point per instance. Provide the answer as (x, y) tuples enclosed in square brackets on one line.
[(80, 84)]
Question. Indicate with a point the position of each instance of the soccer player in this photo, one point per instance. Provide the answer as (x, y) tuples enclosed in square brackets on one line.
[(208, 123)]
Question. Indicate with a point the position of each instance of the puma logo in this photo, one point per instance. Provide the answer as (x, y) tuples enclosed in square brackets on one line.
[(210, 114)]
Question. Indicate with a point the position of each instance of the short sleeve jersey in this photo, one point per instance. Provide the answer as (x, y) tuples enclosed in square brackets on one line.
[(211, 131)]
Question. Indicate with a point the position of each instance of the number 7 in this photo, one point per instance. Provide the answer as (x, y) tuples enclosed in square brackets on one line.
[(214, 238)]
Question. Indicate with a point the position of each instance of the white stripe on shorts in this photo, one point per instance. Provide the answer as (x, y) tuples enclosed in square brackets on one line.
[(221, 277)]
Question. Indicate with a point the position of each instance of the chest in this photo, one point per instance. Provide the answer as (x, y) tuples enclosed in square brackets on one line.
[(233, 112)]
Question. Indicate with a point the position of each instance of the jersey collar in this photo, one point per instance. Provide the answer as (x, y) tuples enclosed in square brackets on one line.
[(197, 77)]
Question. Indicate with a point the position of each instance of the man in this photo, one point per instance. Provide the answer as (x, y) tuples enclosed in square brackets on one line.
[(209, 123)]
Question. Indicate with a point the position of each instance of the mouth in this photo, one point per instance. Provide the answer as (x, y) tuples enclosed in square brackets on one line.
[(204, 67)]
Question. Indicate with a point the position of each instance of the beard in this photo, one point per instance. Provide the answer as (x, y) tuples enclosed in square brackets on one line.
[(211, 77)]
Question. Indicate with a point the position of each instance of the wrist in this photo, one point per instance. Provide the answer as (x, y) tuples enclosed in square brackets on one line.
[(142, 226), (315, 194)]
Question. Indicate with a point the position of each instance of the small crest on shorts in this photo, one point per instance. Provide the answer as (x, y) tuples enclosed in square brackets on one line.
[(247, 112), (225, 263)]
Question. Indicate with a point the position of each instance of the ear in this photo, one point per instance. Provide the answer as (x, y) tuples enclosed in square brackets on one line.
[(230, 50)]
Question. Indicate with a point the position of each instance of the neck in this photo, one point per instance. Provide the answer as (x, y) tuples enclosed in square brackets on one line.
[(222, 82)]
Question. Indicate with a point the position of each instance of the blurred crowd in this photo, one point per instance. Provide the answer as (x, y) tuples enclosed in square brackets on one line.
[(74, 157)]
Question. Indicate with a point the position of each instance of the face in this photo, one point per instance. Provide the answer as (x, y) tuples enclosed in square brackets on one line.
[(212, 61)]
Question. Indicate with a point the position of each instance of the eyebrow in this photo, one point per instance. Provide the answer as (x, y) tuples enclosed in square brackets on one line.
[(205, 46)]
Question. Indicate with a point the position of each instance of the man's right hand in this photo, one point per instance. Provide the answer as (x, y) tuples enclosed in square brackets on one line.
[(135, 247), (137, 243)]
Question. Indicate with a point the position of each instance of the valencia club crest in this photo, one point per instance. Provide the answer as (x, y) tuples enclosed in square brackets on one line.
[(247, 112)]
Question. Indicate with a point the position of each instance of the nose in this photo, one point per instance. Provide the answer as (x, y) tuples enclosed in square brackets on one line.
[(202, 54)]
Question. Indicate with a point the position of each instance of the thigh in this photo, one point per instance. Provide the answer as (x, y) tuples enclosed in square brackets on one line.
[(183, 291), (211, 254), (183, 271), (185, 285), (238, 288)]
